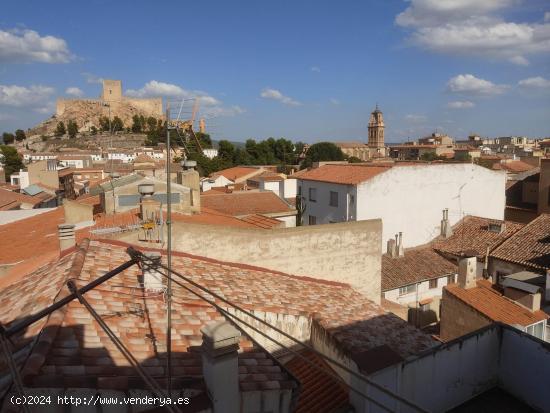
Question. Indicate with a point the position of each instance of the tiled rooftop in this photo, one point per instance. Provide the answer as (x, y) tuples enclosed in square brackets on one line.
[(343, 174), (488, 301), (472, 234), (74, 352), (8, 197), (418, 264), (245, 203), (262, 221), (530, 246), (319, 392), (237, 172), (514, 166)]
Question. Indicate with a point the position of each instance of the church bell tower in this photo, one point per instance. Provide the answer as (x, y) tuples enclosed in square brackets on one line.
[(376, 129)]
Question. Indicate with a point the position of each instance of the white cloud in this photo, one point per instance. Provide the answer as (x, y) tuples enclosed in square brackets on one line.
[(215, 111), (27, 46), (537, 82), (91, 78), (274, 94), (415, 118), (74, 91), (471, 27), (547, 16), (470, 85), (21, 96), (461, 104), (335, 101), (155, 88), (316, 69)]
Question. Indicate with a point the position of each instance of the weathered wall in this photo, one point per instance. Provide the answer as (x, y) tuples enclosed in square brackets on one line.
[(76, 212), (544, 187), (458, 319), (347, 252), (39, 174), (410, 198)]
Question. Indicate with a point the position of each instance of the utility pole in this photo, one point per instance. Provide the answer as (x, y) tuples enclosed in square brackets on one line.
[(169, 255)]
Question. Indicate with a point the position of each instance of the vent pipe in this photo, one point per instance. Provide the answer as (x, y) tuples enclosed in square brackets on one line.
[(66, 236)]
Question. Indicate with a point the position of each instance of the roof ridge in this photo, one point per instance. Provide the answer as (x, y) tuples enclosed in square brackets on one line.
[(522, 229)]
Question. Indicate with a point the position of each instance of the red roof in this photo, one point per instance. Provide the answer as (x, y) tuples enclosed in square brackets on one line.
[(492, 304), (514, 166), (9, 198), (237, 172), (343, 174), (245, 203)]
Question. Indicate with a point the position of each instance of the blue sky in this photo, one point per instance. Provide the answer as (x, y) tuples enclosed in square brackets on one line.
[(305, 70)]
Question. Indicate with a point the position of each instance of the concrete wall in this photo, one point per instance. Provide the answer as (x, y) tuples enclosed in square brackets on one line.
[(39, 174), (76, 212), (321, 208), (347, 252), (458, 318), (544, 187), (442, 379), (410, 199)]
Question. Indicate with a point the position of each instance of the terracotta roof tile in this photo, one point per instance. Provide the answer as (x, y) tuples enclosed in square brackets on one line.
[(530, 246), (514, 166), (262, 221), (75, 352), (343, 174), (245, 203), (489, 302), (417, 264), (238, 172), (472, 234), (319, 392), (8, 197)]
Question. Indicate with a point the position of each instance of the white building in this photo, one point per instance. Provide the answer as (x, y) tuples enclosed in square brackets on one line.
[(20, 179), (210, 153), (208, 183), (408, 198), (124, 156), (156, 154), (38, 156), (73, 161)]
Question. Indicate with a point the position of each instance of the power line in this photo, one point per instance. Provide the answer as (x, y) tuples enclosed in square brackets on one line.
[(134, 253)]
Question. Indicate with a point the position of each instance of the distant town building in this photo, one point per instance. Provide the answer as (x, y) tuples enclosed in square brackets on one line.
[(376, 131)]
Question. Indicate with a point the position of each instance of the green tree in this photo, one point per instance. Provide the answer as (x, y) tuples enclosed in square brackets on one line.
[(8, 138), (151, 124), (226, 150), (11, 160), (72, 129), (354, 159), (137, 125), (104, 123), (204, 139), (463, 157), (431, 156), (60, 130), (93, 130), (322, 151), (117, 124), (241, 157), (20, 135)]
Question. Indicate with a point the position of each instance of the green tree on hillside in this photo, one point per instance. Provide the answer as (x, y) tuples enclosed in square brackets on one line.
[(93, 130), (138, 123), (117, 124), (151, 124), (60, 129), (104, 123), (322, 151), (204, 139), (8, 138), (11, 160), (226, 150), (72, 129), (20, 135)]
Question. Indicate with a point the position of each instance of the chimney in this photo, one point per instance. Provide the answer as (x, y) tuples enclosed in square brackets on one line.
[(400, 249), (467, 272), (446, 229), (392, 248), (66, 236), (190, 178), (148, 206), (202, 126), (152, 279), (220, 365)]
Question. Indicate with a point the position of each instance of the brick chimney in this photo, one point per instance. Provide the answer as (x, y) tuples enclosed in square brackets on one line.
[(446, 229), (66, 236), (467, 272), (400, 248), (152, 279), (220, 365), (392, 248)]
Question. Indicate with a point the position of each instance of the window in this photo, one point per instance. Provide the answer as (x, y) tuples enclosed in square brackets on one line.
[(536, 330), (433, 283), (407, 290), (451, 279), (312, 220), (333, 199), (313, 194)]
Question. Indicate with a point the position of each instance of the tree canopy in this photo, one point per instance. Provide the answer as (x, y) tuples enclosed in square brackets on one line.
[(8, 138), (322, 151), (60, 130), (72, 129), (20, 135), (11, 160)]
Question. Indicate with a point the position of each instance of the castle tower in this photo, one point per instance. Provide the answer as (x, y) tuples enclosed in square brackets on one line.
[(376, 129), (112, 90)]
